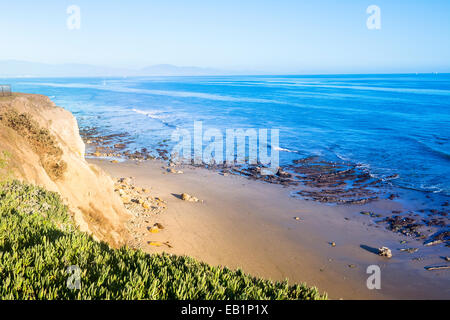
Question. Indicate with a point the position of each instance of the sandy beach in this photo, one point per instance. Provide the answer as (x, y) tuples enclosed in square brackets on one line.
[(252, 225)]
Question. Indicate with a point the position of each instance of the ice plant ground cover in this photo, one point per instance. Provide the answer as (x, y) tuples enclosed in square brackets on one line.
[(39, 242)]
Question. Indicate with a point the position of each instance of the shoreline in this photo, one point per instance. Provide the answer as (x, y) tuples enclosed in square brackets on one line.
[(251, 225), (421, 215)]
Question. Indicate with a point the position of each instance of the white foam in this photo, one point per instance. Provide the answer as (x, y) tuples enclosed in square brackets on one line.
[(365, 88), (154, 114), (284, 149), (182, 94)]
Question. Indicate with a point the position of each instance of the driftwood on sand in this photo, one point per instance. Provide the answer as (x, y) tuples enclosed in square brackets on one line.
[(437, 268)]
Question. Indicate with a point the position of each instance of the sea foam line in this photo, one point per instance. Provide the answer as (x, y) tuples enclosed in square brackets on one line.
[(182, 94)]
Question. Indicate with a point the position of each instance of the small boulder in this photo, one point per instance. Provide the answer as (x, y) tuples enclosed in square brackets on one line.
[(187, 197), (155, 228), (126, 199), (172, 170), (283, 174), (159, 226), (385, 252)]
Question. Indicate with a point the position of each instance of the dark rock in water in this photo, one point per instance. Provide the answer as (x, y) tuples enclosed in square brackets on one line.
[(435, 222), (264, 174), (394, 176), (405, 225), (120, 146), (444, 235), (283, 174), (335, 182), (440, 237), (370, 214)]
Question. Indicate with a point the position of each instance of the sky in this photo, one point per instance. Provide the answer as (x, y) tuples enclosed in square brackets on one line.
[(274, 36)]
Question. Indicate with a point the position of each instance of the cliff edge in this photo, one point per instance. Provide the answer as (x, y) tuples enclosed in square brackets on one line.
[(43, 147)]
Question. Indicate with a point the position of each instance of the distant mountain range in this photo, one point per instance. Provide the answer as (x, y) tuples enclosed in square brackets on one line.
[(14, 68)]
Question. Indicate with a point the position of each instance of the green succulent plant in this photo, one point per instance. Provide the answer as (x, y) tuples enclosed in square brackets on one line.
[(38, 242)]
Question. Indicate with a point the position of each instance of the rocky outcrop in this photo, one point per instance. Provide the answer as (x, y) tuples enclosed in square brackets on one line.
[(87, 190)]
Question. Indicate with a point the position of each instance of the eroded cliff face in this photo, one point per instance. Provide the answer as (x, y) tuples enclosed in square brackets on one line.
[(54, 159)]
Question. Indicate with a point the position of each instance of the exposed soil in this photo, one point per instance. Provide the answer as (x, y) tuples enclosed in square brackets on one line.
[(39, 138)]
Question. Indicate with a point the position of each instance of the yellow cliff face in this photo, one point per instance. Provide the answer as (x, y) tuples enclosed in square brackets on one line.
[(44, 148)]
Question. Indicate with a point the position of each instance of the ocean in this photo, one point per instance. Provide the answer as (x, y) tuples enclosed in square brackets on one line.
[(391, 124)]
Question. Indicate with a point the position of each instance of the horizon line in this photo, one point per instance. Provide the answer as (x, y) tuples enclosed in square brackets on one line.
[(231, 75)]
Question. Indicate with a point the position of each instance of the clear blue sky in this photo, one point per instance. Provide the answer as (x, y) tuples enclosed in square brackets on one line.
[(320, 36)]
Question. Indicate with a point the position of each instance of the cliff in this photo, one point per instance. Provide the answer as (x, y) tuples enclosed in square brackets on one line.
[(43, 147)]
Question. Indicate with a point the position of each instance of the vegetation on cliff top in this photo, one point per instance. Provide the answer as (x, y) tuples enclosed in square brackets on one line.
[(39, 242)]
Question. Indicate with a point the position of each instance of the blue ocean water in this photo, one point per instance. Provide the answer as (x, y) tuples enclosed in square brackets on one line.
[(393, 124)]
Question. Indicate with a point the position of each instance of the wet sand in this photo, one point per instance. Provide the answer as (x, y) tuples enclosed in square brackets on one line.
[(252, 225)]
